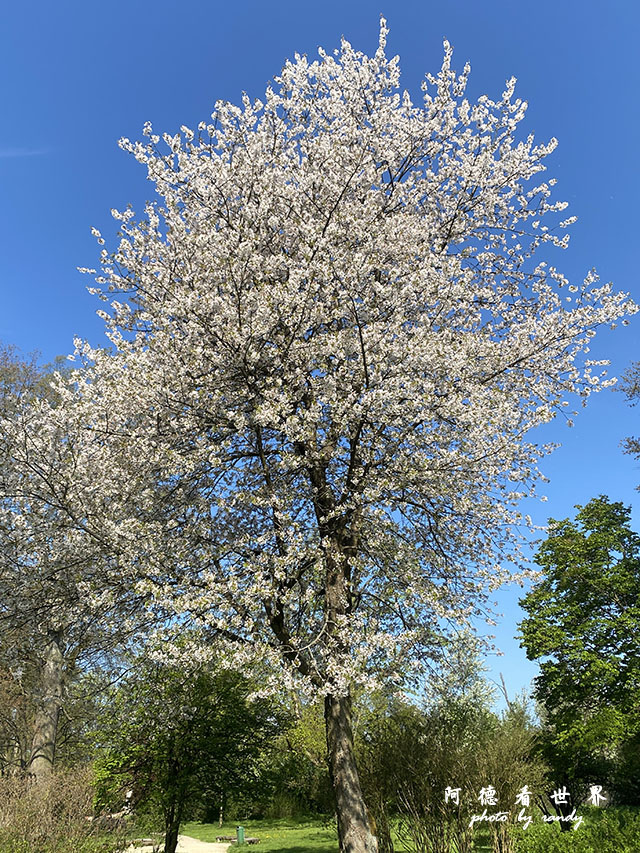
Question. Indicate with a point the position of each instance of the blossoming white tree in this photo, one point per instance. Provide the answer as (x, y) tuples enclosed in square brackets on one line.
[(64, 600), (331, 343)]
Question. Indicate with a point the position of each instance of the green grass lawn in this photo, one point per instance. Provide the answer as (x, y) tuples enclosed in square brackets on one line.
[(289, 835), (283, 835), (617, 831)]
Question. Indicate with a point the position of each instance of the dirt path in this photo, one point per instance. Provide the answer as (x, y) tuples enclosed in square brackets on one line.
[(188, 845)]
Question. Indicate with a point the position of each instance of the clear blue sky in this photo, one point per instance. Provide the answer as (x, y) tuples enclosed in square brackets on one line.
[(79, 75)]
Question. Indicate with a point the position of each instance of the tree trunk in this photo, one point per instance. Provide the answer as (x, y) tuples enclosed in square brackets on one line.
[(45, 727), (173, 818), (354, 831), (171, 838)]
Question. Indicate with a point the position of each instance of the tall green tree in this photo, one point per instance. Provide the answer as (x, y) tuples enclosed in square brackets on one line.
[(583, 626), (182, 737)]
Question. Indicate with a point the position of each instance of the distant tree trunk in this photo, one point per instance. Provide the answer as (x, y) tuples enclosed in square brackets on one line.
[(45, 727), (354, 830), (564, 809), (173, 818)]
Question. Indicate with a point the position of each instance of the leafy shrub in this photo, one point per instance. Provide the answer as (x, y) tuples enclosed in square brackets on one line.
[(408, 757), (605, 831)]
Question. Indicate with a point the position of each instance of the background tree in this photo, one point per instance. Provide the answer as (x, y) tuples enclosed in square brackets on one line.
[(19, 378), (630, 385), (64, 603), (583, 626), (332, 340), (29, 689), (16, 718), (183, 739), (299, 771)]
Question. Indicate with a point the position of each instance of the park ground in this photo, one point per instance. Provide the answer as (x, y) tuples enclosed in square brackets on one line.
[(186, 844), (284, 835)]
